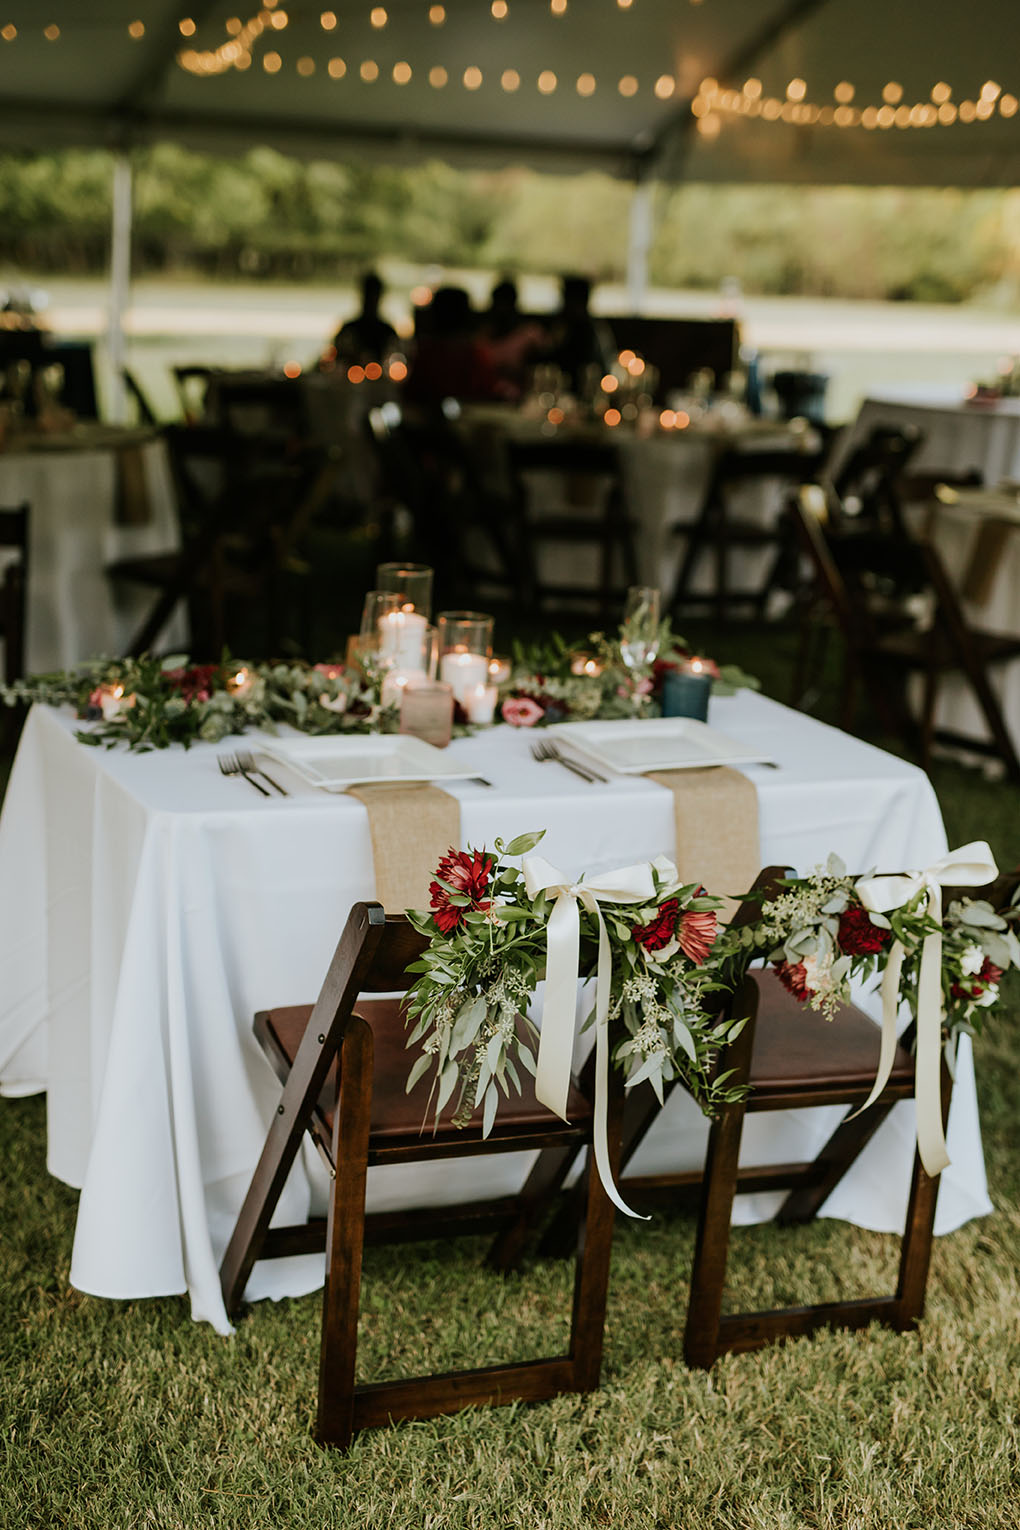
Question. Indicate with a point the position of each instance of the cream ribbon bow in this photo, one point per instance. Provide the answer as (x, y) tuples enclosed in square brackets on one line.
[(970, 866), (631, 884)]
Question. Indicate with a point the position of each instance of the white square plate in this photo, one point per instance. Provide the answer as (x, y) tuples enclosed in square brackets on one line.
[(334, 762), (659, 743)]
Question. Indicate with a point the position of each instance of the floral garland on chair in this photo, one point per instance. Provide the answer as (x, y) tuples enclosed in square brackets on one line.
[(488, 949), (818, 935)]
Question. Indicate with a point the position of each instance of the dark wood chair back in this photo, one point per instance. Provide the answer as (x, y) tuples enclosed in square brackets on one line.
[(869, 481), (14, 590), (343, 1065), (898, 612)]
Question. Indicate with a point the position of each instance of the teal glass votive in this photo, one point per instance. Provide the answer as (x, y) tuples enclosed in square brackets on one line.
[(685, 693)]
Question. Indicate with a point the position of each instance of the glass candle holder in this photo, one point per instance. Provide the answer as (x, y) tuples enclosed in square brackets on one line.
[(378, 603), (465, 648), (406, 640), (686, 692), (410, 582), (426, 712)]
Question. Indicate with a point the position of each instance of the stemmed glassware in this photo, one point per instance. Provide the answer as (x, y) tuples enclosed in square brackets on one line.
[(639, 632)]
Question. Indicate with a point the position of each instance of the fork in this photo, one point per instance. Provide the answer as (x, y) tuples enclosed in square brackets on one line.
[(230, 765), (249, 767), (546, 750)]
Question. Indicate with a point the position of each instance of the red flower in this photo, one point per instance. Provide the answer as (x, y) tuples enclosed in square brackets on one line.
[(696, 932), (466, 872), (194, 684), (858, 936), (990, 973), (794, 977), (662, 928)]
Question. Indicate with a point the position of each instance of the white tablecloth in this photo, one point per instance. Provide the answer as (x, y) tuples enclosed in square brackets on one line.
[(74, 611), (957, 435), (148, 907)]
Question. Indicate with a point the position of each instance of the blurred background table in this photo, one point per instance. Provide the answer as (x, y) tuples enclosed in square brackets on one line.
[(95, 494)]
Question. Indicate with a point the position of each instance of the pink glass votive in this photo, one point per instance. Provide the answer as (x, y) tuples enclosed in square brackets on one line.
[(426, 712)]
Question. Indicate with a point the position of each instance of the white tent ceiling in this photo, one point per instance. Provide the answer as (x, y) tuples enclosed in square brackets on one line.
[(97, 83)]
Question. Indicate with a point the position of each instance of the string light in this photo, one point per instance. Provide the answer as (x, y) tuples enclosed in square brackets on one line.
[(437, 15), (438, 76), (402, 73), (585, 84), (186, 27), (499, 10), (628, 85), (472, 77), (510, 80), (51, 33), (305, 66), (369, 71), (336, 68), (9, 32), (712, 104), (378, 17), (665, 85), (136, 29), (271, 63), (327, 21), (547, 82)]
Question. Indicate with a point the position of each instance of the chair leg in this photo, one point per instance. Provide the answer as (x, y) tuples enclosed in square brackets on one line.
[(915, 1253), (345, 1235), (594, 1247), (708, 1274)]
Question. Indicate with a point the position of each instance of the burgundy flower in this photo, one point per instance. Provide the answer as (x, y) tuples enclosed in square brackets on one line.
[(858, 936), (661, 930), (466, 872), (793, 975), (194, 684), (990, 973), (696, 932)]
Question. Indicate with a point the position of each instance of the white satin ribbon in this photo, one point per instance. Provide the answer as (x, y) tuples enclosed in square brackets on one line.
[(631, 884), (970, 866)]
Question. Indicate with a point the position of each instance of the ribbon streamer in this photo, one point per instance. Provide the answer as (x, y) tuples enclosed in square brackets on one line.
[(631, 884), (970, 866)]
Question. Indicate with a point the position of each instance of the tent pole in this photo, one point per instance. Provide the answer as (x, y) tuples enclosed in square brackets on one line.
[(120, 283), (639, 242)]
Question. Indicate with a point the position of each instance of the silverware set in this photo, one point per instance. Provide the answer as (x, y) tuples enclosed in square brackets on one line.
[(548, 749), (244, 763)]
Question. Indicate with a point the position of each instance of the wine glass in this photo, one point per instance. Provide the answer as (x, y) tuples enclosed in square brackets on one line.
[(639, 632)]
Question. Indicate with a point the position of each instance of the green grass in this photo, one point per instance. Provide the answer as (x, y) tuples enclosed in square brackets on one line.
[(127, 1414)]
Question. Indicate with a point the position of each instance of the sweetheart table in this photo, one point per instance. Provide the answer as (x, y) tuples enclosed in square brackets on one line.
[(149, 905)]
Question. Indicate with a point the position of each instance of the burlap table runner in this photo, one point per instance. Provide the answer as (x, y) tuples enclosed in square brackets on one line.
[(715, 813), (411, 827)]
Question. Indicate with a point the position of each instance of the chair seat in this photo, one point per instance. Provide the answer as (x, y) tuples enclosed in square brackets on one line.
[(797, 1048), (395, 1114)]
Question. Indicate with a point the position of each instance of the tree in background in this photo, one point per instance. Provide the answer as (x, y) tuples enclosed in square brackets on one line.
[(265, 215)]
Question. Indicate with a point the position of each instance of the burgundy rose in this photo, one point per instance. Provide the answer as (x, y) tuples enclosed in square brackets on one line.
[(793, 975), (194, 684), (858, 936), (659, 933), (466, 872)]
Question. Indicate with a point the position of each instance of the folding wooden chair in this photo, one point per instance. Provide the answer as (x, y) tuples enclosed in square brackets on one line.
[(719, 530), (344, 1066), (789, 1057), (898, 614), (589, 510)]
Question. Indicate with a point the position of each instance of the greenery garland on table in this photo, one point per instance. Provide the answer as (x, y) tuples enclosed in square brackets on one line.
[(150, 703), (488, 942), (553, 682)]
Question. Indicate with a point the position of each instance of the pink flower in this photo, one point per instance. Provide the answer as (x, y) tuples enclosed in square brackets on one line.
[(331, 671), (521, 712), (696, 931), (643, 687)]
